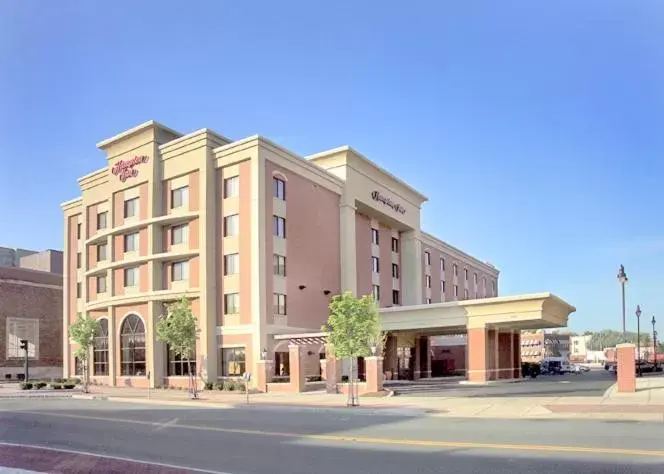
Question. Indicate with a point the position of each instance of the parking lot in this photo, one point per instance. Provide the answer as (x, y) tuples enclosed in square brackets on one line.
[(589, 384)]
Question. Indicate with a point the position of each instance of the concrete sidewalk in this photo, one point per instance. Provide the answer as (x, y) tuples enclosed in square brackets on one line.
[(646, 404)]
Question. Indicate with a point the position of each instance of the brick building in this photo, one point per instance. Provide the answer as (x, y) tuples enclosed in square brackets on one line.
[(31, 309)]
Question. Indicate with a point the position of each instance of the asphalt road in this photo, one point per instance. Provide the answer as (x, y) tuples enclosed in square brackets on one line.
[(326, 441), (590, 384)]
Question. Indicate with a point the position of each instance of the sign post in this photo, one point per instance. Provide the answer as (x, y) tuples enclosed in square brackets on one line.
[(247, 378)]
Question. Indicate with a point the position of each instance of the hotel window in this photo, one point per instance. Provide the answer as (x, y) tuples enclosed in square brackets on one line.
[(231, 225), (131, 208), (101, 252), (231, 303), (179, 197), (428, 280), (78, 290), (375, 291), (279, 188), (455, 269), (179, 234), (442, 286), (465, 294), (101, 284), (483, 286), (233, 361), (442, 265), (395, 296), (78, 230), (427, 258), (493, 287), (475, 278), (177, 366), (395, 270), (279, 304), (131, 242), (395, 245), (374, 236), (100, 349), (456, 291), (132, 346), (279, 262), (231, 187), (280, 227), (131, 276), (78, 260), (465, 274), (375, 265), (427, 300), (231, 264), (101, 220), (180, 271)]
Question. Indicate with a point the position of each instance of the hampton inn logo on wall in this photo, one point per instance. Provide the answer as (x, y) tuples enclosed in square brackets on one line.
[(126, 169), (377, 196)]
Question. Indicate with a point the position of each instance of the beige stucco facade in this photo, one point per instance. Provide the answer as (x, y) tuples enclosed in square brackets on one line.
[(258, 239)]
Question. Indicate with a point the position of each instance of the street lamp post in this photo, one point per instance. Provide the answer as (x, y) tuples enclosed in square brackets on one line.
[(654, 343), (638, 340), (622, 278)]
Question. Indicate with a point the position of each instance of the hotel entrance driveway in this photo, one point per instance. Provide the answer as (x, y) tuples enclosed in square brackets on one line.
[(590, 384), (493, 327)]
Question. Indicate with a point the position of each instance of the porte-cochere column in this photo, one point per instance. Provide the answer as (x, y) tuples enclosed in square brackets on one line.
[(478, 355)]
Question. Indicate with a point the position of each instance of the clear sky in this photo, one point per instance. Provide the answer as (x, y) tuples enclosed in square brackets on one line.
[(535, 128)]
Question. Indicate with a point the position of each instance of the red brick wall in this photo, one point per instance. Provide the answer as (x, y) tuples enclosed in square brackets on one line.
[(33, 295)]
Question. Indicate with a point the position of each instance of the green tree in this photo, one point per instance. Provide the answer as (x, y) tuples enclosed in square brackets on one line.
[(354, 329), (83, 333), (179, 329)]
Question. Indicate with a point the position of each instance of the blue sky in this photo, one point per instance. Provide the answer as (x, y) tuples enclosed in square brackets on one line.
[(535, 128)]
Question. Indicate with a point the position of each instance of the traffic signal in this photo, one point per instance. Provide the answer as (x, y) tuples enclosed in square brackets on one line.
[(24, 344)]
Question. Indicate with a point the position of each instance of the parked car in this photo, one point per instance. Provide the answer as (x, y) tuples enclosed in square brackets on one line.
[(580, 369)]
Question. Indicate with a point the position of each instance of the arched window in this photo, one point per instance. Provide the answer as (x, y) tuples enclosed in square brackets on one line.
[(132, 346), (100, 349)]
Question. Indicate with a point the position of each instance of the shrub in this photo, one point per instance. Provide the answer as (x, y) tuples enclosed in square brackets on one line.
[(229, 385), (68, 386), (26, 386), (314, 378), (75, 381), (219, 386), (39, 385), (56, 386), (209, 385)]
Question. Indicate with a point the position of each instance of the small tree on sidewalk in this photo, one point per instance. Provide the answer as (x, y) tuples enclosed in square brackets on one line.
[(353, 328), (83, 333), (179, 330)]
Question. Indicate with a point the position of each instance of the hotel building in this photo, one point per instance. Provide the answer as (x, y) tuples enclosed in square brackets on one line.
[(255, 236)]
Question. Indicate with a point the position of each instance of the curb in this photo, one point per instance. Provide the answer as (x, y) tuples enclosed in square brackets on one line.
[(36, 394), (610, 391)]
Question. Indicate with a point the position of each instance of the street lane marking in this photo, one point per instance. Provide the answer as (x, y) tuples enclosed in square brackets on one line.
[(368, 440), (167, 424), (107, 456)]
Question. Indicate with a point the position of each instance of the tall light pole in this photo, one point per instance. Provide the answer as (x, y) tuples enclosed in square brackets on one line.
[(638, 339), (622, 278), (654, 343)]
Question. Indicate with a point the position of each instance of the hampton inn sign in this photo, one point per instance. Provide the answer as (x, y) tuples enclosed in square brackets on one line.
[(377, 196), (126, 169)]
